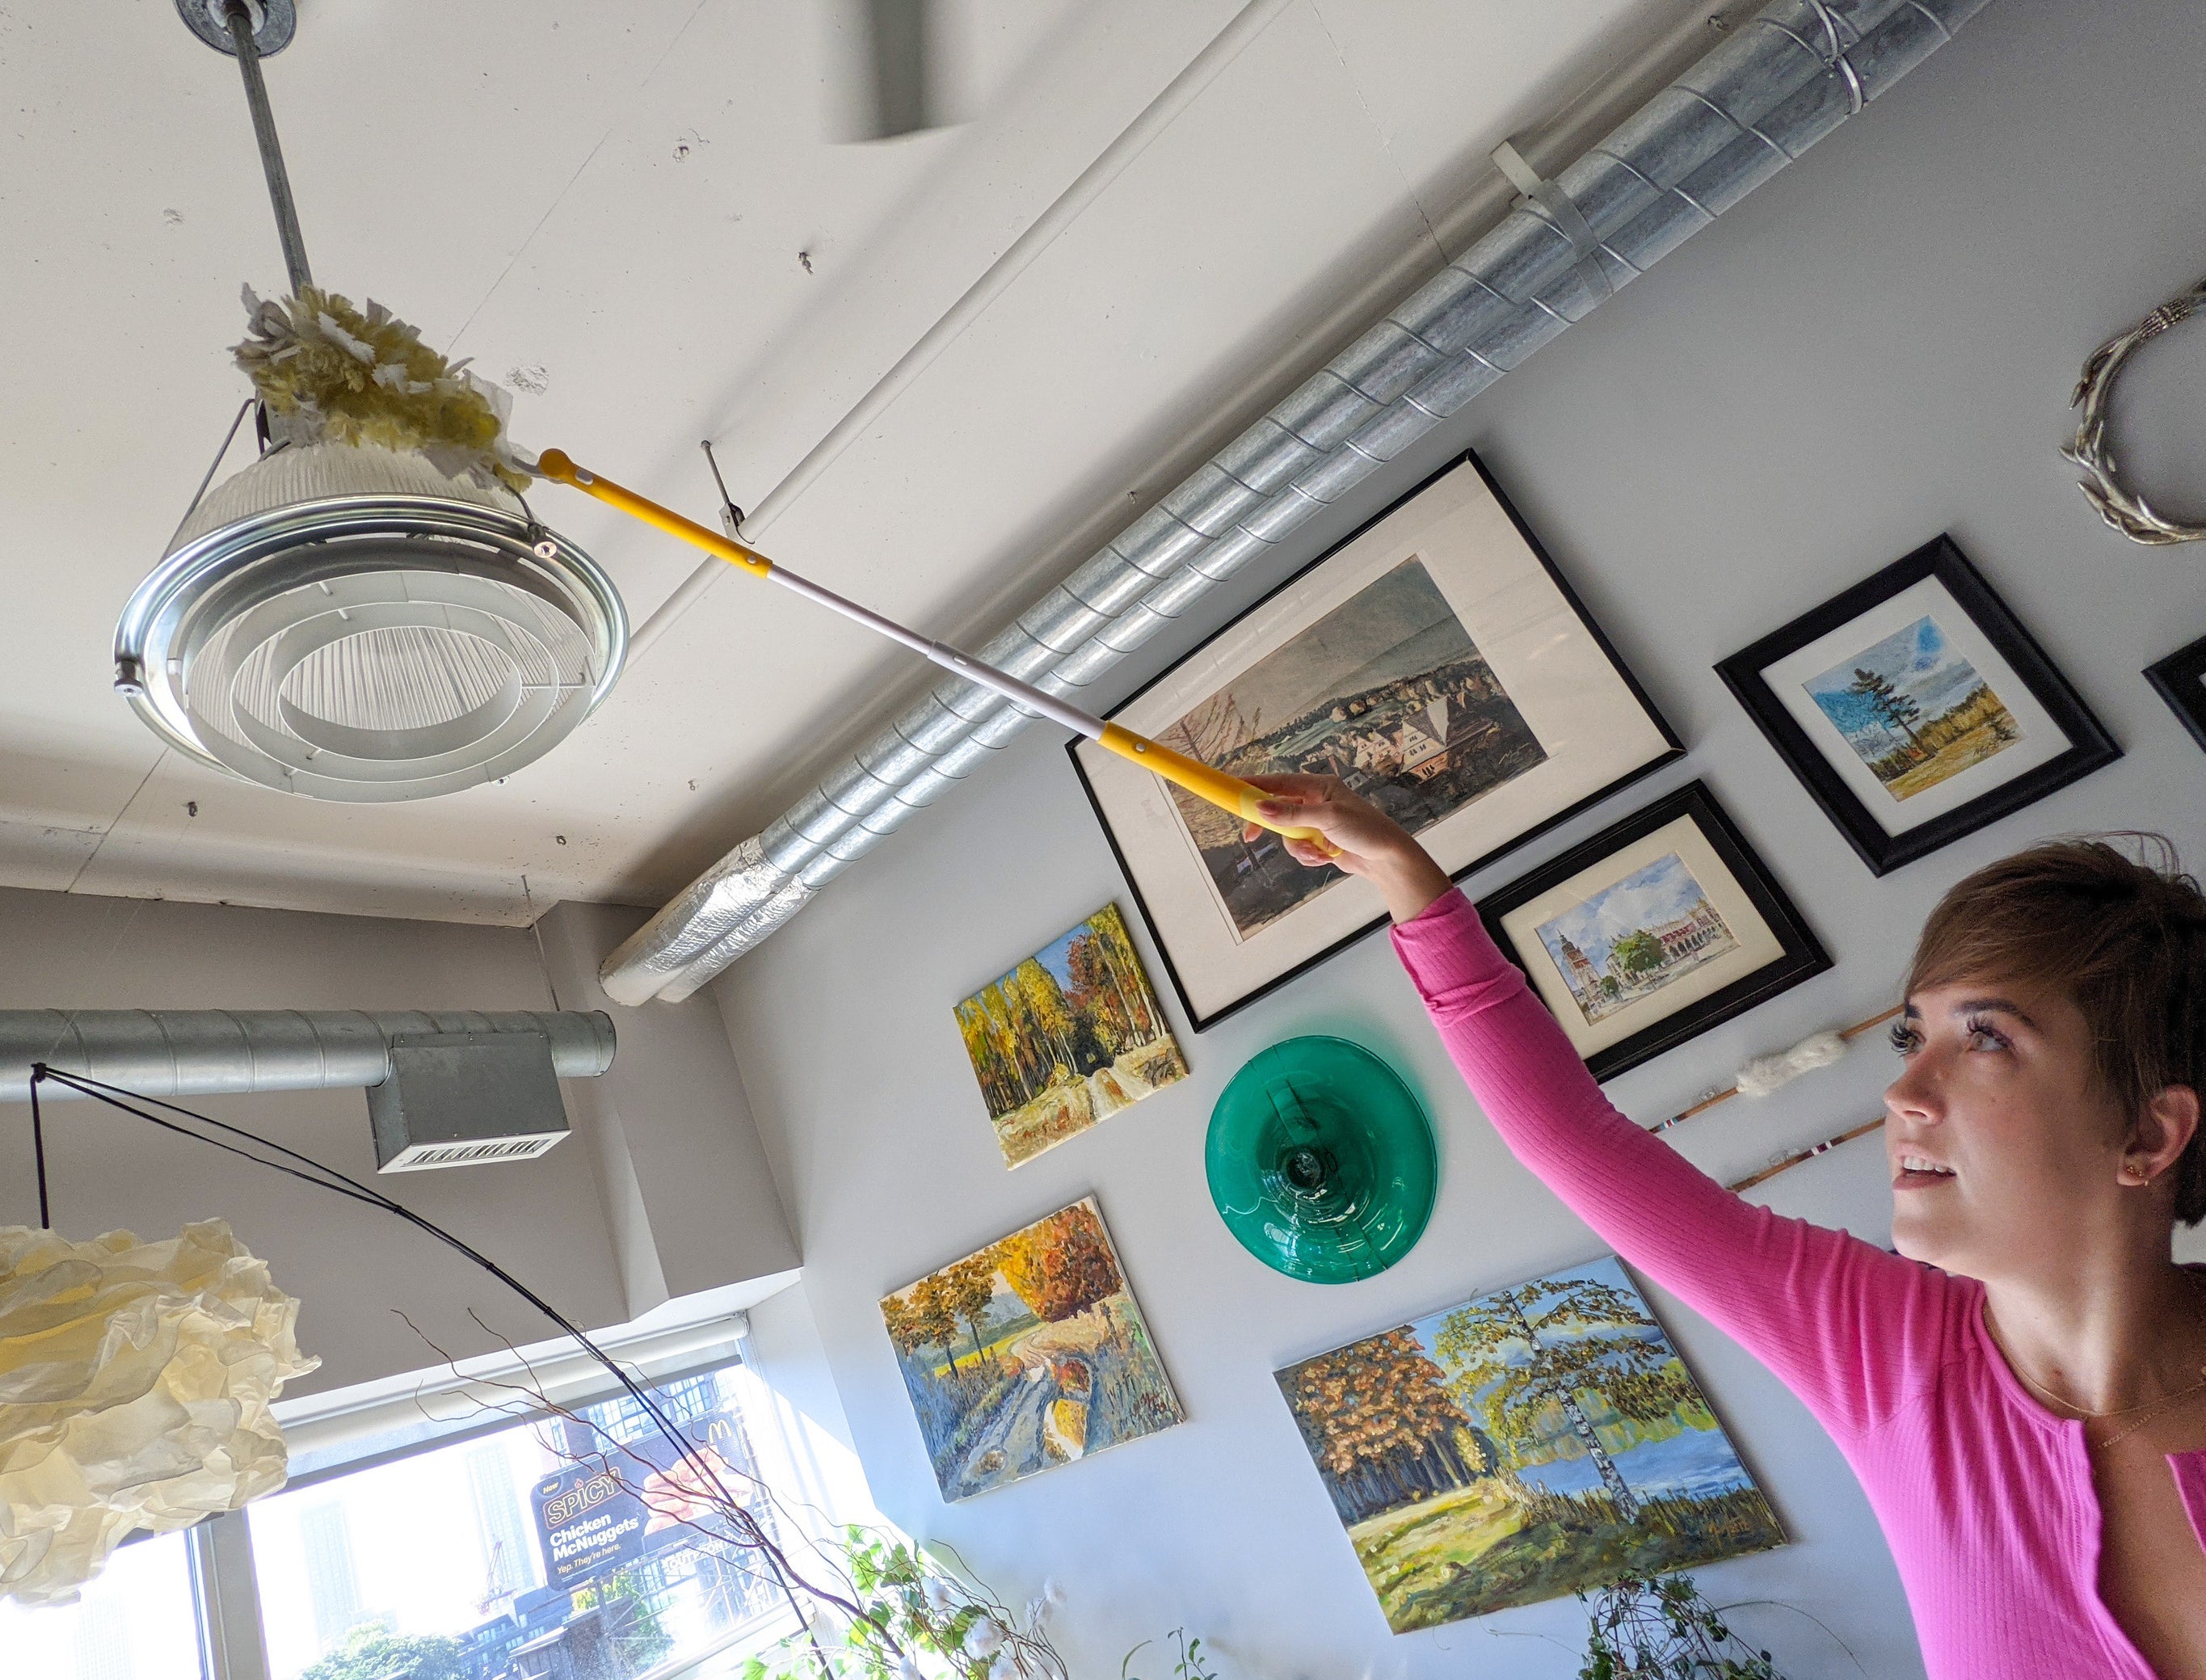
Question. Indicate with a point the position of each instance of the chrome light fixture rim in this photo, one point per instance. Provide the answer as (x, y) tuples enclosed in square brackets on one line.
[(219, 577)]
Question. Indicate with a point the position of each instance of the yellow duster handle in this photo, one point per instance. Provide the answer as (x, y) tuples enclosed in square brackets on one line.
[(557, 465), (1227, 792)]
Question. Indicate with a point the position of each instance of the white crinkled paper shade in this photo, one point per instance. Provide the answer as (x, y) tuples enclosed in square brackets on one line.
[(134, 1386)]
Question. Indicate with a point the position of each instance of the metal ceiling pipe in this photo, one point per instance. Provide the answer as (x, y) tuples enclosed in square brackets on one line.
[(1777, 84), (228, 1052)]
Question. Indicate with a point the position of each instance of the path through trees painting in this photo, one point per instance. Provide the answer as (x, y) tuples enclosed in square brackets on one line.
[(1530, 1443), (1070, 1036), (1027, 1354)]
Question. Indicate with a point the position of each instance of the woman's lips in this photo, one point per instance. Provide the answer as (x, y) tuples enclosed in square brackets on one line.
[(1919, 1178)]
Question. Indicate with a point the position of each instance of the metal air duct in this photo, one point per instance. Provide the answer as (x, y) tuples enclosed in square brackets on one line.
[(1777, 84), (446, 1087)]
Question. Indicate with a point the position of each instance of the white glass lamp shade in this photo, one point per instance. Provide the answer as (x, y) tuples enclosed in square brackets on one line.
[(135, 1384)]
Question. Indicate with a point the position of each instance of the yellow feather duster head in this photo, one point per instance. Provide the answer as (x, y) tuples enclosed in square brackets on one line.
[(331, 372)]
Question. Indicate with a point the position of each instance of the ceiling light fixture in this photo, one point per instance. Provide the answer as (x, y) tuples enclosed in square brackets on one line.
[(369, 611)]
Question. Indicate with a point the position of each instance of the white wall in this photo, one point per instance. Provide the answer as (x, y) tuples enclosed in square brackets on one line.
[(1876, 347), (673, 1087)]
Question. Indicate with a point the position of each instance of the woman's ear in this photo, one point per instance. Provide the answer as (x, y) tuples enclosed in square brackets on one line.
[(2160, 1135)]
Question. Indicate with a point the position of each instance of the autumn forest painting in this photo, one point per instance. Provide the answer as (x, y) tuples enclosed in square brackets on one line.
[(1069, 1036), (1530, 1443), (1027, 1354)]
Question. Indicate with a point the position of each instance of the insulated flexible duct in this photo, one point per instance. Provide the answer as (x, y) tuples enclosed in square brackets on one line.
[(1775, 87), (208, 1052)]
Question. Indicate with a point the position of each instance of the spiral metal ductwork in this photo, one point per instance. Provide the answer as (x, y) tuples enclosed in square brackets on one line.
[(230, 1053), (1775, 85)]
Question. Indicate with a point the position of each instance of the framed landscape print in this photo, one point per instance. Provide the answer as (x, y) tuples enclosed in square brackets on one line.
[(1652, 931), (1439, 664), (2180, 680), (1531, 1442), (1027, 1354), (1916, 708), (1070, 1037)]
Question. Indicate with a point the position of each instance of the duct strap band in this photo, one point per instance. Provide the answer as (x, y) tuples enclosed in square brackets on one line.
[(1563, 212)]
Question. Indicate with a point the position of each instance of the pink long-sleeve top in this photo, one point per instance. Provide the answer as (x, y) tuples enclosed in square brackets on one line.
[(1985, 1497)]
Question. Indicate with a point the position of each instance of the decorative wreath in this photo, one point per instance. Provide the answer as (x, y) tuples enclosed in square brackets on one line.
[(2128, 512)]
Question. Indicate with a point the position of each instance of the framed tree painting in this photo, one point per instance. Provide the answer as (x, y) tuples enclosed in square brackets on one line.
[(1027, 1354), (1435, 661), (1915, 708), (1652, 931), (2180, 680), (1068, 1038), (1522, 1444)]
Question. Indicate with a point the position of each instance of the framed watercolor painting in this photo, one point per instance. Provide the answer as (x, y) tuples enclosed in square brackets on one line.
[(1435, 661), (1528, 1442), (1027, 1354), (1070, 1037), (2180, 680), (1916, 708), (1652, 931)]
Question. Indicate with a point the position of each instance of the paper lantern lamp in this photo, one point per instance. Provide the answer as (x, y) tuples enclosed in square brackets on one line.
[(135, 1379)]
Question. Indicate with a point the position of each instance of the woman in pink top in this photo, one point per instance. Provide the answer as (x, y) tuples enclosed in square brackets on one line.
[(2022, 1388)]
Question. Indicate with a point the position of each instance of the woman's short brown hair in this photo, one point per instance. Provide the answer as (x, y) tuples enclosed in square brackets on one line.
[(2124, 941)]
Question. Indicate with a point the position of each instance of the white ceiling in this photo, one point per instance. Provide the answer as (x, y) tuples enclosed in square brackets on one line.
[(640, 206)]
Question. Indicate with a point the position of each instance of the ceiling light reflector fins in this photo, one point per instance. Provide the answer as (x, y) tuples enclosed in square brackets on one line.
[(346, 622)]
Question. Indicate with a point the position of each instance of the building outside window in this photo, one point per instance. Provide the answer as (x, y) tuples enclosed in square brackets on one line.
[(509, 1557), (139, 1620)]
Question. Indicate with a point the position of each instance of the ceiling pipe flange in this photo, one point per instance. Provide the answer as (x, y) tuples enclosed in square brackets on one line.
[(274, 23)]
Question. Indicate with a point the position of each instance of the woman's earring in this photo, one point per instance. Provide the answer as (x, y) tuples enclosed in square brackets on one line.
[(2133, 1173)]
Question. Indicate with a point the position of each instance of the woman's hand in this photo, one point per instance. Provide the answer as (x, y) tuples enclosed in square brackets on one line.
[(1369, 841)]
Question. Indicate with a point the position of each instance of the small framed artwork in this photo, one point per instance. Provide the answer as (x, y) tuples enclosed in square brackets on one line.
[(1652, 931), (1436, 662), (2180, 680), (1068, 1038), (1916, 708)]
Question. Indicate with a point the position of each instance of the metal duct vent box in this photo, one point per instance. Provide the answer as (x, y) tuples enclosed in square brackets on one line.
[(457, 1098)]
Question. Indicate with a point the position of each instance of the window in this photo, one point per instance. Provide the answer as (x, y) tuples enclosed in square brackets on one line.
[(513, 1555), (466, 1547), (625, 1420), (139, 1620)]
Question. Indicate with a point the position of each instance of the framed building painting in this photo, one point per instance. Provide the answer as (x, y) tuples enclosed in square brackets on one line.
[(1027, 1355), (1534, 1441), (1652, 931), (1916, 708), (1437, 663)]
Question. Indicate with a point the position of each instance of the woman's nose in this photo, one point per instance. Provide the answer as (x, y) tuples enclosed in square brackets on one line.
[(1915, 1092)]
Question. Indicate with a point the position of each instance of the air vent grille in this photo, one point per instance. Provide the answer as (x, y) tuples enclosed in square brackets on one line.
[(423, 1156)]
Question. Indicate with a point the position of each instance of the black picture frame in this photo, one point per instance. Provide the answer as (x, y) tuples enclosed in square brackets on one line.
[(2180, 680), (2089, 747), (1802, 954), (1672, 748)]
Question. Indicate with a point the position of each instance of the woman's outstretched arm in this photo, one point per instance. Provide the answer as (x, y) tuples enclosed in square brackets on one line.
[(1850, 1328)]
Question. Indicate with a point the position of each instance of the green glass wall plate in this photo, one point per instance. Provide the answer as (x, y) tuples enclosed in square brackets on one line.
[(1321, 1161)]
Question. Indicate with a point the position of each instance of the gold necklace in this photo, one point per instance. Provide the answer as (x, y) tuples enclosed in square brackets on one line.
[(2151, 1408), (2166, 1404), (2085, 1415)]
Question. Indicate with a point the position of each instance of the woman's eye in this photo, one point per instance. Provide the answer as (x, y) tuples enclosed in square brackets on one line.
[(1905, 1039), (1983, 1036)]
